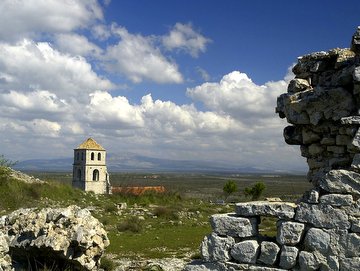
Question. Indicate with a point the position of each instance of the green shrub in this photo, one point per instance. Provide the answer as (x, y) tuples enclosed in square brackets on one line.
[(6, 162), (132, 224), (230, 187), (255, 191), (107, 264), (166, 212)]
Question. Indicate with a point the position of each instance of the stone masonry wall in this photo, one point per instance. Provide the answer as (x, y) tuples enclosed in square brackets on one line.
[(321, 231)]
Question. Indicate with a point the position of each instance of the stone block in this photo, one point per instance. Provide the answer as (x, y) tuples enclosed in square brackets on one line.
[(311, 196), (308, 261), (353, 210), (322, 216), (268, 252), (316, 149), (200, 266), (231, 225), (337, 162), (331, 263), (336, 149), (328, 141), (216, 248), (355, 165), (355, 224), (308, 136), (356, 140), (289, 233), (315, 163), (343, 140), (350, 264), (353, 245), (264, 208), (245, 251), (288, 257), (317, 240), (292, 135), (336, 200), (298, 85), (340, 181), (356, 74), (350, 120)]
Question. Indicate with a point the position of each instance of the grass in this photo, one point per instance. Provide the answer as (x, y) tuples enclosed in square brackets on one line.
[(179, 241), (152, 225)]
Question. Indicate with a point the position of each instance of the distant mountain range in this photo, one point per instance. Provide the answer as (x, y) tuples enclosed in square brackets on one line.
[(129, 162)]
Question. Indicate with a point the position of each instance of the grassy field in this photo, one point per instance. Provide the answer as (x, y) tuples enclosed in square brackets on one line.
[(151, 225)]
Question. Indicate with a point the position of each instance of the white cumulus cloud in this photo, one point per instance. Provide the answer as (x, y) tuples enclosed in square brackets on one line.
[(29, 18), (238, 96), (184, 37), (105, 111), (139, 59), (29, 65), (77, 45)]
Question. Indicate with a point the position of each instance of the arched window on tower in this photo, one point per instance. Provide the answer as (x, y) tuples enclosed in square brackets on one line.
[(79, 174), (82, 156), (95, 175), (78, 156), (99, 156), (92, 156)]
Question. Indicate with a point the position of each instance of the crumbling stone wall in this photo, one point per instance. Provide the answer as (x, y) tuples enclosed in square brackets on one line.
[(321, 231)]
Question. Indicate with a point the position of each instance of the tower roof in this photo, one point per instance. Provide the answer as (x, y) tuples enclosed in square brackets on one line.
[(90, 144)]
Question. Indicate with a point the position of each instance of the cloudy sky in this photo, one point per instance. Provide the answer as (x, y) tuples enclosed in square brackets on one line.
[(180, 79)]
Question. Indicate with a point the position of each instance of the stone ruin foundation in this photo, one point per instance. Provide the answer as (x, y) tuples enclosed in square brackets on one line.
[(321, 231)]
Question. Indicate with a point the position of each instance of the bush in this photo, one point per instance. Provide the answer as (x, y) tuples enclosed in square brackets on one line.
[(230, 187), (255, 191), (107, 264), (132, 224), (166, 212), (6, 162)]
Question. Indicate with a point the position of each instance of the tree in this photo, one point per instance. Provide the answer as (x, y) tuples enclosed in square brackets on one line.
[(230, 187), (6, 162), (255, 191)]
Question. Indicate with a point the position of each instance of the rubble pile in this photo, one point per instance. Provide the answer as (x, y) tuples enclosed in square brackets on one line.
[(63, 238), (321, 231)]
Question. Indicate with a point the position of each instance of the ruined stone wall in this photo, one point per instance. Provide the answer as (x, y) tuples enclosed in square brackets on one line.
[(321, 231)]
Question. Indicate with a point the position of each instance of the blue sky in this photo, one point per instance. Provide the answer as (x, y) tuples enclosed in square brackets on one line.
[(193, 80)]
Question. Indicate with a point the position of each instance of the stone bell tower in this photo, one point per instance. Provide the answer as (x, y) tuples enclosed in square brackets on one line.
[(89, 168)]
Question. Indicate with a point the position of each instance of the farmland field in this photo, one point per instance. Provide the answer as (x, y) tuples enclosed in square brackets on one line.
[(201, 186)]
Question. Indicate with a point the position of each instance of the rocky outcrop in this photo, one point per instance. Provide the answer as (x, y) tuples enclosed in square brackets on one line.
[(322, 231), (61, 238)]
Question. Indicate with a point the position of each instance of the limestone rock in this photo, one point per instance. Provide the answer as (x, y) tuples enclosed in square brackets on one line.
[(298, 85), (353, 245), (355, 225), (337, 200), (317, 240), (350, 264), (311, 196), (203, 266), (355, 165), (341, 181), (5, 260), (263, 208), (231, 225), (268, 252), (308, 261), (66, 235), (355, 42), (322, 216), (216, 248), (288, 257), (245, 251), (290, 233)]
